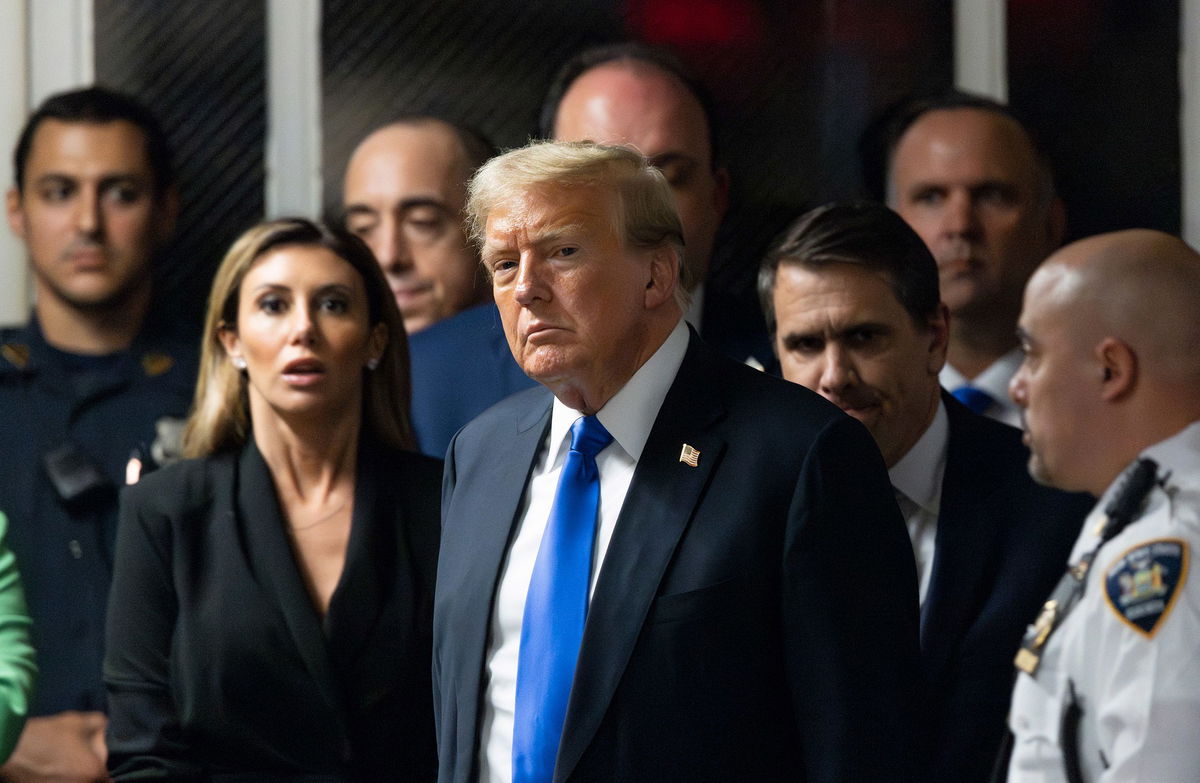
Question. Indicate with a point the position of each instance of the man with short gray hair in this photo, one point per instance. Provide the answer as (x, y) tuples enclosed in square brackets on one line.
[(664, 565), (969, 177)]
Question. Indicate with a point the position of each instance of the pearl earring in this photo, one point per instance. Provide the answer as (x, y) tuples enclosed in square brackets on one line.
[(239, 362), (372, 363)]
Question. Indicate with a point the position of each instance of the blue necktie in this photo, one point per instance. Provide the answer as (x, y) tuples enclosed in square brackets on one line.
[(976, 400), (556, 608)]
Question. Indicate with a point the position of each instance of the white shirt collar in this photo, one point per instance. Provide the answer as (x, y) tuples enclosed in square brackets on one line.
[(631, 412), (919, 473)]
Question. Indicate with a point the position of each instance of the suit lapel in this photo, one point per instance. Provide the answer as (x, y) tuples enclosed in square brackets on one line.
[(271, 556), (660, 501), (494, 508), (963, 545)]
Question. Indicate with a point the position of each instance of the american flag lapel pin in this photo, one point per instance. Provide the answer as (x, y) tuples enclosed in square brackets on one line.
[(689, 456)]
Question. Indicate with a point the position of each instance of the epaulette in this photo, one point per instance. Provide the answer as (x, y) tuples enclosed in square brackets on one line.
[(1136, 483), (15, 355), (156, 363)]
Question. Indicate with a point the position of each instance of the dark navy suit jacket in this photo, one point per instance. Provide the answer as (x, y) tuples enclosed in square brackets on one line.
[(1002, 544), (461, 366), (755, 617)]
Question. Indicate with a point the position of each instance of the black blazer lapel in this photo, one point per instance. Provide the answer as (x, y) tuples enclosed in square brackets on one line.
[(964, 544), (357, 601), (658, 505), (271, 557)]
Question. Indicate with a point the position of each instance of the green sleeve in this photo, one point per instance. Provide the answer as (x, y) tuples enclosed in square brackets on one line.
[(17, 667)]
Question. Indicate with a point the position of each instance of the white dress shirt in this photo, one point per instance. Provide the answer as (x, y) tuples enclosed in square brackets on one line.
[(628, 416), (994, 380), (917, 479)]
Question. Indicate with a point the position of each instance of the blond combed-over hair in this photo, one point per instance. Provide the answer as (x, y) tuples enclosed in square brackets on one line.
[(646, 205)]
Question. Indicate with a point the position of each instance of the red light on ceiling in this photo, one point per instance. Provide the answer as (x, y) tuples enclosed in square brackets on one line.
[(694, 22)]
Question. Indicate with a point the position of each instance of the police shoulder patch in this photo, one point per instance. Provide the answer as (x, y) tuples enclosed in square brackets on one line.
[(1142, 585)]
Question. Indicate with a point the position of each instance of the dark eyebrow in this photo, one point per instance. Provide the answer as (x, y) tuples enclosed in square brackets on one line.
[(1004, 186), (792, 339), (105, 181), (925, 185), (334, 288), (357, 209), (410, 203), (875, 326), (124, 179), (54, 178), (285, 288)]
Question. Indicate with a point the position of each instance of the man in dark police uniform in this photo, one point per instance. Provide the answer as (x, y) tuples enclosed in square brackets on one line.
[(87, 389)]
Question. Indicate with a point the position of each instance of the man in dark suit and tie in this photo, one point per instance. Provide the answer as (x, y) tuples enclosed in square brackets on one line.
[(708, 579), (851, 294), (404, 191)]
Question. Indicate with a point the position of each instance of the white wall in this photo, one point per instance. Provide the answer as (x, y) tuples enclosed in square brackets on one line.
[(45, 46), (13, 97), (293, 146)]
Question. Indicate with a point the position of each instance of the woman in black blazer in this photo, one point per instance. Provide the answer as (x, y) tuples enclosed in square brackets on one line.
[(270, 610)]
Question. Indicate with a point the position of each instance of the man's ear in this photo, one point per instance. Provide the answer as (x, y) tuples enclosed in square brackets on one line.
[(664, 276), (1118, 368), (16, 212)]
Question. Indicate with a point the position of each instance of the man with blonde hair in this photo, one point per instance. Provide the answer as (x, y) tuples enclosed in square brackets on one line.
[(1110, 393), (708, 579)]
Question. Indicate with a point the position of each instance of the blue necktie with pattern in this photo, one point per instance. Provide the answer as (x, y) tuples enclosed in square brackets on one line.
[(556, 608)]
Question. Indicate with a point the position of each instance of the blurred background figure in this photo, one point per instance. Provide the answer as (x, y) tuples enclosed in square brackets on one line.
[(630, 93), (404, 193), (970, 180), (86, 387), (1109, 687), (851, 293), (270, 611)]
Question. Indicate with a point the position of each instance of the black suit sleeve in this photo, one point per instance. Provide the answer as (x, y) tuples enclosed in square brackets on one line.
[(144, 740), (850, 613)]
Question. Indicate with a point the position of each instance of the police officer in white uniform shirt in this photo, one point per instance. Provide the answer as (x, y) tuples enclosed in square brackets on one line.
[(1109, 682)]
